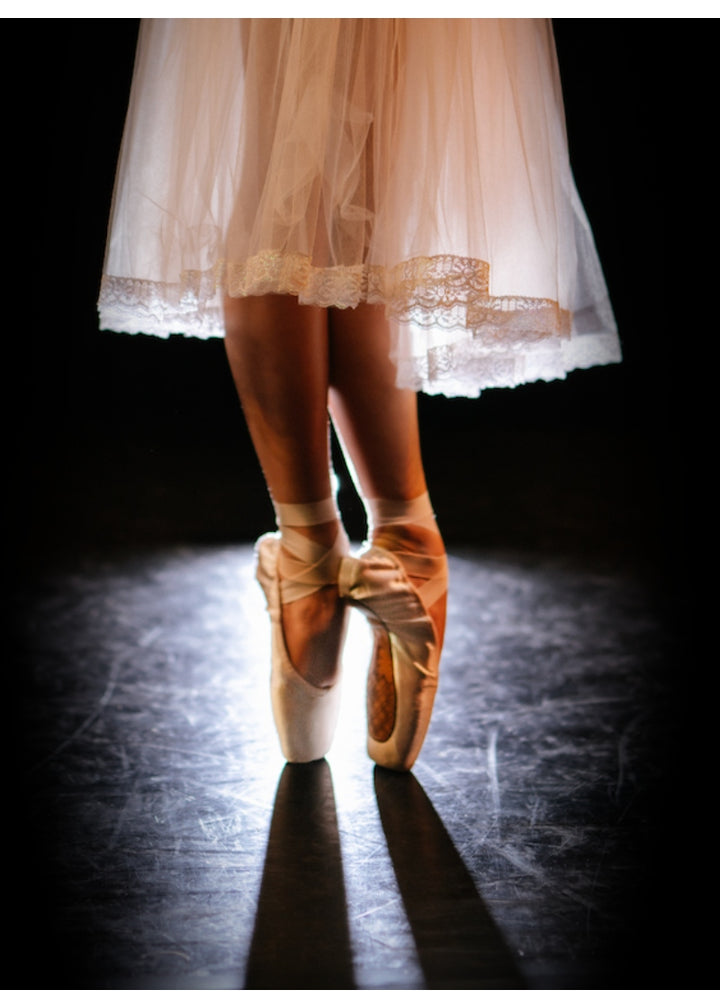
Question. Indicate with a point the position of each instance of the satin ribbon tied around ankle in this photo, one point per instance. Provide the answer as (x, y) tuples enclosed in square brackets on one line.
[(376, 581)]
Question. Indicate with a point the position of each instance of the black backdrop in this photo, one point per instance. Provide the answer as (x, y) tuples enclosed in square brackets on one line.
[(112, 427), (117, 441)]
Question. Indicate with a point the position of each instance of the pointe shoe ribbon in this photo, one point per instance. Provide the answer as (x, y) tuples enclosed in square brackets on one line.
[(377, 582), (305, 715)]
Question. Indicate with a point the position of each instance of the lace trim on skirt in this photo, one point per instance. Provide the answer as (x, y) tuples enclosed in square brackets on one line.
[(447, 292)]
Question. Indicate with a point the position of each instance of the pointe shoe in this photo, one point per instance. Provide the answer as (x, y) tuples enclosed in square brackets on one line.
[(305, 715), (403, 676)]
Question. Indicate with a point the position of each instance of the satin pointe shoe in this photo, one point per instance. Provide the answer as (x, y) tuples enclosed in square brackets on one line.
[(305, 715), (403, 675)]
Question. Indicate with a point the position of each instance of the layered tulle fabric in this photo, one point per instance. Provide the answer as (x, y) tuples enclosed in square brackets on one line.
[(420, 164)]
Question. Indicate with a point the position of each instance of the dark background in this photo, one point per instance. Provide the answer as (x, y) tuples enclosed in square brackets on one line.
[(119, 442), (114, 428)]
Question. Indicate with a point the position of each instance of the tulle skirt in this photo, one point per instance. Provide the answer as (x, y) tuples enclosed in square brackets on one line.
[(419, 164)]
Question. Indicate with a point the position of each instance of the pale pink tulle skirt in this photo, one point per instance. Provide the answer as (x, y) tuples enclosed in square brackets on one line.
[(421, 164)]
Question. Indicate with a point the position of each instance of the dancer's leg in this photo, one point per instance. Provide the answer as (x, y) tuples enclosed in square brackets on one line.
[(278, 356), (377, 423)]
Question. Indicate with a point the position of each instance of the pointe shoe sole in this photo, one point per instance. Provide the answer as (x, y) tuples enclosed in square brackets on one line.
[(376, 583), (415, 690)]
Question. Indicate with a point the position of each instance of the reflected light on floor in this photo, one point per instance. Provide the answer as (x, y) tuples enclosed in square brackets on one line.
[(243, 609), (233, 616), (153, 754)]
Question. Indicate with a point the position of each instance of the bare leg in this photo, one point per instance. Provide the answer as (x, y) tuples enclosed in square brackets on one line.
[(278, 356), (378, 425), (377, 421)]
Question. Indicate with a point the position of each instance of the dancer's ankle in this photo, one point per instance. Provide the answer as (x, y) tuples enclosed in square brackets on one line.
[(413, 538), (409, 530), (312, 545)]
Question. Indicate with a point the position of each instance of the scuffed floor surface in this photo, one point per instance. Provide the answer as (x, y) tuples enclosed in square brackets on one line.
[(164, 843)]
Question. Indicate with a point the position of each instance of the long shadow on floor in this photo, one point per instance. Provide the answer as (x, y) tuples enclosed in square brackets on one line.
[(458, 943), (301, 936)]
